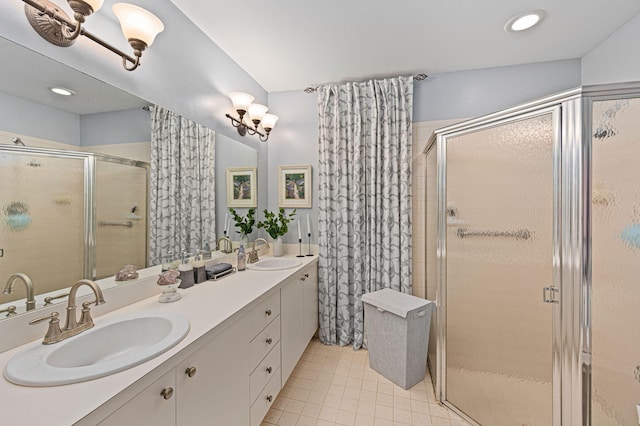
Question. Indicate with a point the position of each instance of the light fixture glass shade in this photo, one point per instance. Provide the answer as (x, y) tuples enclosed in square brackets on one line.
[(525, 21), (138, 23), (241, 100), (269, 121), (257, 111), (95, 4)]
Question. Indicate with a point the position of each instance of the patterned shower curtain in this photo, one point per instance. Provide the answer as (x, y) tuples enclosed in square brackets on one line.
[(364, 199), (182, 186)]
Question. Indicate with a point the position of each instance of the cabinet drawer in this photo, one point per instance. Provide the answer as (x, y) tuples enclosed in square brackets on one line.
[(260, 316), (263, 343), (265, 399), (269, 367)]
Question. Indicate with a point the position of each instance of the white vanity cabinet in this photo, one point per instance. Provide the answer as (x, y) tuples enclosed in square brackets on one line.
[(228, 374), (210, 388), (299, 304), (155, 405)]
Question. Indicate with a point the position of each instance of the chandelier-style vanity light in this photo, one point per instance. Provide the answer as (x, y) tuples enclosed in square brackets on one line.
[(139, 26), (242, 103)]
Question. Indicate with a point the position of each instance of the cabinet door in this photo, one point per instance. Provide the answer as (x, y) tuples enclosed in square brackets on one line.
[(310, 303), (213, 383), (156, 405), (291, 326)]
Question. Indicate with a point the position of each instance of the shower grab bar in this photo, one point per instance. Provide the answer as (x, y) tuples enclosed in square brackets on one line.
[(520, 234), (128, 224)]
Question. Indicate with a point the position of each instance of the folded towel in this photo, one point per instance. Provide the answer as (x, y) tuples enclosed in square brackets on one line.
[(215, 271)]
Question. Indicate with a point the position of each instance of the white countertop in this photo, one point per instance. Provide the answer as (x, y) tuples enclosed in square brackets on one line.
[(206, 305)]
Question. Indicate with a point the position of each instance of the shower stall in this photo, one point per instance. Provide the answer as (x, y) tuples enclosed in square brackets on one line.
[(68, 215), (533, 253)]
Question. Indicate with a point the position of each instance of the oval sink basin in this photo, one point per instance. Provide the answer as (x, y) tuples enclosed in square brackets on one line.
[(120, 343), (274, 264)]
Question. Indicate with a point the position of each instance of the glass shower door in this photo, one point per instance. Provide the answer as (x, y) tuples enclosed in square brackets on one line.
[(499, 255), (615, 316)]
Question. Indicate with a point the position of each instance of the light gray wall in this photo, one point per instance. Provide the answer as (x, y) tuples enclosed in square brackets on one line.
[(115, 127), (22, 116), (443, 96), (616, 59), (483, 91), (294, 141)]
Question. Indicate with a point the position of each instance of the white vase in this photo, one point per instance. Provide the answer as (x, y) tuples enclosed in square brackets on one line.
[(277, 247)]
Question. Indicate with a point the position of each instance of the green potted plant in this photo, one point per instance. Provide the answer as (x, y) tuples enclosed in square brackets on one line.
[(276, 226), (244, 223)]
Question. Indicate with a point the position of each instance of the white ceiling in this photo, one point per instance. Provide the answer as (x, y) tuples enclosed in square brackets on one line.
[(292, 44)]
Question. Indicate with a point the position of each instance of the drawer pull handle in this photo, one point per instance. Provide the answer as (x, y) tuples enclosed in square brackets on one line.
[(191, 371), (268, 312), (167, 393), (306, 275), (269, 370), (270, 398), (269, 341)]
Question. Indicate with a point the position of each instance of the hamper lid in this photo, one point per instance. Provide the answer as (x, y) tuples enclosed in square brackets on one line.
[(400, 304)]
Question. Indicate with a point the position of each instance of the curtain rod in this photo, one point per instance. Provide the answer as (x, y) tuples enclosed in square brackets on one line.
[(417, 77)]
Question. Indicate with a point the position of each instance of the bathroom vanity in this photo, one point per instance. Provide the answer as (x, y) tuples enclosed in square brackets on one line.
[(247, 333)]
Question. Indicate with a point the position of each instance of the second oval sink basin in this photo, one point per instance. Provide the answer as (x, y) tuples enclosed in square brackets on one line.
[(122, 342), (274, 264)]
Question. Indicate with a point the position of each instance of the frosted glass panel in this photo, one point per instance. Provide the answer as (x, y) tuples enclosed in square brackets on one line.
[(121, 205), (615, 262), (42, 221), (431, 257), (499, 257)]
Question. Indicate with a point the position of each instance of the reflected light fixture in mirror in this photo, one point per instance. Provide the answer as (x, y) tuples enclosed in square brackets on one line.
[(139, 26), (243, 104)]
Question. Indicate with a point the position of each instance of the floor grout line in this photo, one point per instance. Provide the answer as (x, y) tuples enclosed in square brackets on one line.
[(334, 386)]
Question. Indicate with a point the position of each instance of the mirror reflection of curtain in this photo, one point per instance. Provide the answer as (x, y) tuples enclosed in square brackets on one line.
[(364, 199), (182, 187)]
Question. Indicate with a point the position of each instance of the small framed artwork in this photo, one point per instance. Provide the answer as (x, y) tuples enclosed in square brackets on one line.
[(241, 187), (294, 183)]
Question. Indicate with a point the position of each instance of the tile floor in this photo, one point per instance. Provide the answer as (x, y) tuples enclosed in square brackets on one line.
[(333, 385)]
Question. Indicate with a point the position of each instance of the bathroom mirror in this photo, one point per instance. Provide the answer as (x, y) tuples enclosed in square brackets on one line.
[(99, 119)]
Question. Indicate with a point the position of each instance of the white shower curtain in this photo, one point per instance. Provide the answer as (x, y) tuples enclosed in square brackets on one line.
[(182, 185), (364, 199)]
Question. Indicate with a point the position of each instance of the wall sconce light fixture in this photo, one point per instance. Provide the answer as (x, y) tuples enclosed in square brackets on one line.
[(139, 26), (242, 103)]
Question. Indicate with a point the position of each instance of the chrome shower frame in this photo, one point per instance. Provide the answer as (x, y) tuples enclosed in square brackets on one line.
[(572, 111), (90, 219)]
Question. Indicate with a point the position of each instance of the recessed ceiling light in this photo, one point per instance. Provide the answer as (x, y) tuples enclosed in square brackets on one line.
[(62, 91), (524, 21)]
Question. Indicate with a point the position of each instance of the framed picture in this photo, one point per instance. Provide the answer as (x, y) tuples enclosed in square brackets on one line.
[(294, 183), (241, 187)]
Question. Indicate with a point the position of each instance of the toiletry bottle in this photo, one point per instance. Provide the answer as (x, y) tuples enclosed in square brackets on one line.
[(242, 259), (168, 262), (186, 271), (199, 274)]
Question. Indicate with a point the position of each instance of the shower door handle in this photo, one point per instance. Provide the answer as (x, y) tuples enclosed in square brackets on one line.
[(549, 294)]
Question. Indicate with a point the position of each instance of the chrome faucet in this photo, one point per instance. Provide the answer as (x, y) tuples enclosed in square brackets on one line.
[(72, 326), (8, 288), (228, 245), (253, 254)]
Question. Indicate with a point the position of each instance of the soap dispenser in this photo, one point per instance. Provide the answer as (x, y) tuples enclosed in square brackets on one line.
[(199, 273), (242, 259), (170, 262), (186, 271)]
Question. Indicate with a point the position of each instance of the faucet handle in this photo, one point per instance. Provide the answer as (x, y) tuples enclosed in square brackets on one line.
[(53, 331), (85, 315)]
